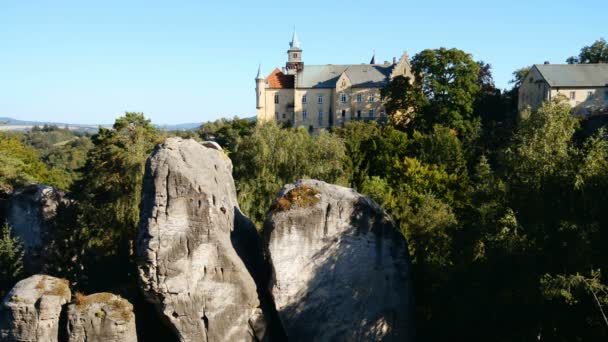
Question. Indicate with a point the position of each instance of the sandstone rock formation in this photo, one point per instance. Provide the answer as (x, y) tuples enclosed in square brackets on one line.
[(340, 266), (31, 212), (101, 317), (31, 310), (198, 255)]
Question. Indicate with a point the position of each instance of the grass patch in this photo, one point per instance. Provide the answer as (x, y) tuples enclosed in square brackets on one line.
[(303, 196), (59, 287), (117, 308)]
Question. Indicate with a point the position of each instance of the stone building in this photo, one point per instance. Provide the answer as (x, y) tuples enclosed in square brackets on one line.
[(322, 96), (585, 86)]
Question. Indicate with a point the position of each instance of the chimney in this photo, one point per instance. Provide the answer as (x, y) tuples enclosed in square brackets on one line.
[(394, 60), (547, 62)]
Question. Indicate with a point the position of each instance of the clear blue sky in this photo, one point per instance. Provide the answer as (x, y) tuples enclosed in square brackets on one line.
[(193, 61)]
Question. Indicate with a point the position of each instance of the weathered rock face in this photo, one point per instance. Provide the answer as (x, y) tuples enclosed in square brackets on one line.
[(196, 251), (31, 310), (101, 317), (31, 212), (340, 266)]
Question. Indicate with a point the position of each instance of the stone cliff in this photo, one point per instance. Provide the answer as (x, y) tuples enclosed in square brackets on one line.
[(198, 255), (341, 269)]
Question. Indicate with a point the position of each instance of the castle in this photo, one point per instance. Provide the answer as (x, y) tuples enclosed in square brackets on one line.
[(323, 96)]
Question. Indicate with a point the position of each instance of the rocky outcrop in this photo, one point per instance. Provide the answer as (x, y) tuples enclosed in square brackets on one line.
[(101, 317), (341, 269), (31, 310), (31, 212), (199, 257)]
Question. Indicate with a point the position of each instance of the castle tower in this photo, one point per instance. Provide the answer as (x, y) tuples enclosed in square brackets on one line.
[(294, 61), (260, 88)]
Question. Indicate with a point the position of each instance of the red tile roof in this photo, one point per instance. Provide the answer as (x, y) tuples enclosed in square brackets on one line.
[(278, 80)]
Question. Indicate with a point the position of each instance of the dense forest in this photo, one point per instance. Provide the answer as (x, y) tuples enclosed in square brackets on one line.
[(505, 214)]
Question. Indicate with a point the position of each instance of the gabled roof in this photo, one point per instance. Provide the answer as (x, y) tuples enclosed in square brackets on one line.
[(326, 76), (574, 75), (278, 80)]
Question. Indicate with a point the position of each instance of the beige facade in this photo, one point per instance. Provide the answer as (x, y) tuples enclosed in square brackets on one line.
[(584, 86), (323, 96)]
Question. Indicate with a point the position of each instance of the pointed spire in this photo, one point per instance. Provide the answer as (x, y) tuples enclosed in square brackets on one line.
[(295, 43), (373, 61), (260, 75)]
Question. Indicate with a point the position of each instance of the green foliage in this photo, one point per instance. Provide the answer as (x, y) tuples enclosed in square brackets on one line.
[(402, 100), (449, 81), (519, 76), (11, 260), (428, 229), (20, 164), (542, 147), (227, 133), (272, 157), (110, 189), (594, 53), (440, 147)]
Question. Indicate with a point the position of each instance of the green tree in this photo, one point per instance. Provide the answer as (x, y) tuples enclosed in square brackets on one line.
[(449, 80), (11, 260), (227, 133), (111, 185), (108, 196), (20, 164), (542, 146), (594, 53), (272, 157), (402, 100)]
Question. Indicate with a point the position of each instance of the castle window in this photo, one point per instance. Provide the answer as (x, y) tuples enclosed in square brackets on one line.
[(304, 99), (284, 116), (320, 118), (572, 95), (343, 113), (320, 99), (343, 98), (276, 98), (370, 98), (358, 114), (371, 113), (304, 114), (359, 98)]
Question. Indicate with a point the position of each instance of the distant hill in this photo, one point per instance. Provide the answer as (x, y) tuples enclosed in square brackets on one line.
[(179, 127), (10, 124)]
